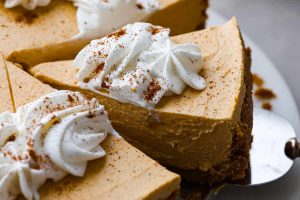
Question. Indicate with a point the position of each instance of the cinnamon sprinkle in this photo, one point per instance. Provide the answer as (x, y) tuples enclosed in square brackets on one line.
[(91, 115), (56, 121), (11, 138), (99, 68), (70, 99), (155, 30), (118, 34), (27, 17), (33, 155), (152, 89), (105, 83), (86, 80)]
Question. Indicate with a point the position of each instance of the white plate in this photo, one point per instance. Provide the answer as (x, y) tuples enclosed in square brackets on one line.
[(288, 187)]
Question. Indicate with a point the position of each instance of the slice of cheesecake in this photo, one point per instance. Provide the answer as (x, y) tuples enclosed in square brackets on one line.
[(205, 135), (44, 34), (6, 100), (124, 173)]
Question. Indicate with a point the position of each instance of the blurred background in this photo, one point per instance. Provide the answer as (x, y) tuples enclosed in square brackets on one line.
[(274, 25)]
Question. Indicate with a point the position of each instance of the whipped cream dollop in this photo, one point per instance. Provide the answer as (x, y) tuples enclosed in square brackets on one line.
[(139, 64), (49, 138), (27, 4), (97, 18)]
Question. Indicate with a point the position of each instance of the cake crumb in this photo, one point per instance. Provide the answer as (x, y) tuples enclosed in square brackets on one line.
[(262, 93), (265, 94), (139, 6), (267, 106), (257, 80)]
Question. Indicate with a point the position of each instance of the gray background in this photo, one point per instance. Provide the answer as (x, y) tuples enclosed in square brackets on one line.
[(274, 25)]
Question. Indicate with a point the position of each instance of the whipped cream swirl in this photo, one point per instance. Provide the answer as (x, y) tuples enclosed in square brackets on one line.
[(139, 64), (97, 18), (27, 4), (49, 138)]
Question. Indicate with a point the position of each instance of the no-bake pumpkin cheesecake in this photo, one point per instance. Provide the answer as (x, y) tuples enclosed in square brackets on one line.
[(204, 132), (58, 29), (123, 173)]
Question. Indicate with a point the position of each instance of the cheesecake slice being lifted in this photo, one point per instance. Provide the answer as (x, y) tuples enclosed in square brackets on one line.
[(123, 173), (203, 134), (54, 33)]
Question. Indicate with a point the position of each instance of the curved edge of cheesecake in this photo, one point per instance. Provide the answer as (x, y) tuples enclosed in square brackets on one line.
[(205, 134), (188, 15), (124, 173), (172, 12), (235, 168)]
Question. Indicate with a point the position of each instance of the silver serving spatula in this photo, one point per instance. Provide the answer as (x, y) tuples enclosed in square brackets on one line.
[(273, 151)]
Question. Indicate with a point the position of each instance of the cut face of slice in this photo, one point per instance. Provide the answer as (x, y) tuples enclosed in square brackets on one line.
[(24, 87), (124, 173), (206, 134), (6, 102), (44, 34)]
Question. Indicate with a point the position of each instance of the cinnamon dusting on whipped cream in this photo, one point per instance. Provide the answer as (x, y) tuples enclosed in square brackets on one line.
[(118, 33), (152, 89), (49, 138), (140, 66)]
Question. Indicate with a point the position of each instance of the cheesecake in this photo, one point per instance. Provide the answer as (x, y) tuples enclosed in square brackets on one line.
[(123, 173), (51, 32), (205, 133)]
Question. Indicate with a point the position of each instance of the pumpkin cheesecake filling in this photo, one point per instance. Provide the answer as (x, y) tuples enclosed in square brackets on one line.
[(204, 134), (59, 29), (120, 172)]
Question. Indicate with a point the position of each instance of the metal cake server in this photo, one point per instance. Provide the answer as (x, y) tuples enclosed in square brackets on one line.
[(273, 151)]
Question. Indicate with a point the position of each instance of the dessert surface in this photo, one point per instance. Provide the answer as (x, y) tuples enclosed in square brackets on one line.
[(194, 115), (190, 124), (48, 33), (119, 173)]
